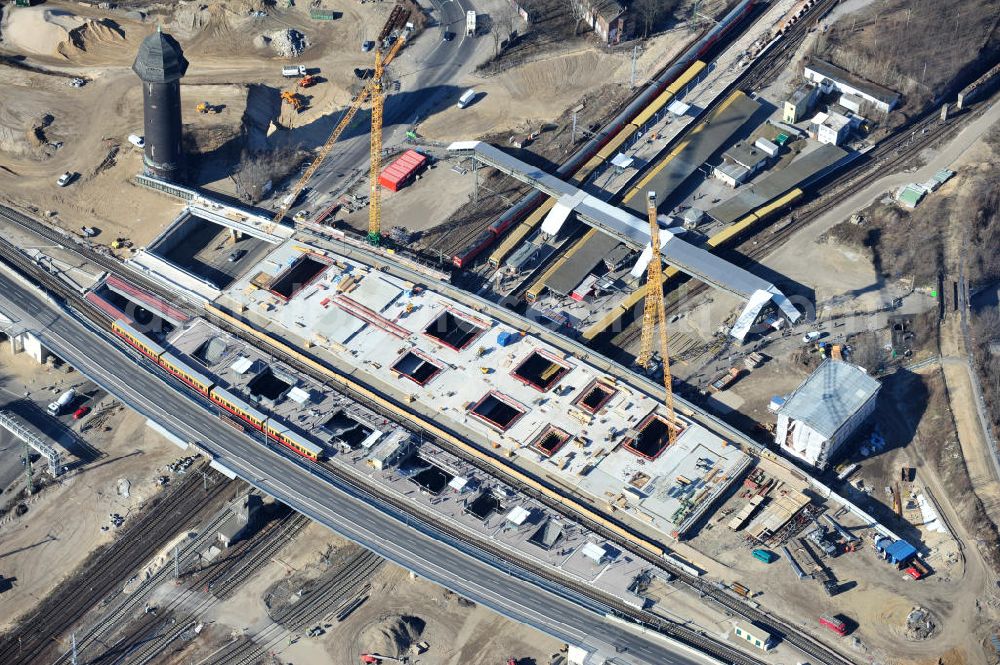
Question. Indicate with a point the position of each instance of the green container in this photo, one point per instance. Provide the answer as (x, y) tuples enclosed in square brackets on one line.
[(765, 556), (323, 14)]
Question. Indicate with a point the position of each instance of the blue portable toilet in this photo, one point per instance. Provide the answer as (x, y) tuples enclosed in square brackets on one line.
[(507, 337)]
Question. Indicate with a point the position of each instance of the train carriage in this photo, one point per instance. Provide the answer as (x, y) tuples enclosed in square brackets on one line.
[(286, 437), (182, 371), (137, 340), (238, 407)]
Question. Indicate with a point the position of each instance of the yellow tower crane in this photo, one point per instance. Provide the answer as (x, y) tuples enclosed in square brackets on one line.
[(375, 189), (356, 104), (654, 312)]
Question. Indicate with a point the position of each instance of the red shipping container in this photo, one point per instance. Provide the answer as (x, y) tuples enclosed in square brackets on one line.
[(395, 176)]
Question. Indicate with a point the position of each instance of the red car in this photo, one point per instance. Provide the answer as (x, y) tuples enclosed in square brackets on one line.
[(81, 412)]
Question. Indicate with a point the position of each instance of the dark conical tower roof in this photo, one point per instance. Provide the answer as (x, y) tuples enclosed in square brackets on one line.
[(160, 59)]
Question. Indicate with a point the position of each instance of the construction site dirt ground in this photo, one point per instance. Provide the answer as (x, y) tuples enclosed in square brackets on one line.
[(876, 596), (42, 110), (64, 521), (456, 631)]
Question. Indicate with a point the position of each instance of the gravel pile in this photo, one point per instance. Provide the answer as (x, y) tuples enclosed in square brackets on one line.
[(285, 43)]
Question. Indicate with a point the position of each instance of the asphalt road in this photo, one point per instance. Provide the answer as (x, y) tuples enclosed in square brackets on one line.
[(426, 72), (514, 593)]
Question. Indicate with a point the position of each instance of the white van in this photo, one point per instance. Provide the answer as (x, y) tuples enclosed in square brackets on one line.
[(466, 98)]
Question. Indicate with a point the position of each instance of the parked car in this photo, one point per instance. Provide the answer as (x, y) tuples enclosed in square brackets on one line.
[(367, 45), (236, 255), (65, 179), (136, 140), (81, 412), (811, 336)]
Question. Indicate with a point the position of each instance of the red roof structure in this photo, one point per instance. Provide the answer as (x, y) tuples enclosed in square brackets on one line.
[(398, 174)]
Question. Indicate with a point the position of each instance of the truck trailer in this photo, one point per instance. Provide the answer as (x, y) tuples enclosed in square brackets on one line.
[(470, 24)]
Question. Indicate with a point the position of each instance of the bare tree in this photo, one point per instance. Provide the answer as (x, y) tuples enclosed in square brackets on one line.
[(502, 29), (867, 352), (257, 170), (578, 10), (652, 12)]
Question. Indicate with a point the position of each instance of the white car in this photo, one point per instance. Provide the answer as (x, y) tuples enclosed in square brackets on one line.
[(65, 179), (136, 140)]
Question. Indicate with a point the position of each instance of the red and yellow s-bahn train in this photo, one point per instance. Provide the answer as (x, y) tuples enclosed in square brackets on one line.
[(270, 426)]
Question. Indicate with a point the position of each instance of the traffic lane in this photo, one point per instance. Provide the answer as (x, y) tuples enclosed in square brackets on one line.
[(460, 572)]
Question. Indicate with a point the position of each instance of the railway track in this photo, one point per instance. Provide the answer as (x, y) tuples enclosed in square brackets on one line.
[(676, 631), (32, 641), (350, 581), (149, 639)]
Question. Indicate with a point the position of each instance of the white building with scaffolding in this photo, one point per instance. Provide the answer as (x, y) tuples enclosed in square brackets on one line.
[(822, 414)]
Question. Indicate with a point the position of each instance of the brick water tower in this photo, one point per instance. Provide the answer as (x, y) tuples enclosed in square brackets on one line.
[(161, 64)]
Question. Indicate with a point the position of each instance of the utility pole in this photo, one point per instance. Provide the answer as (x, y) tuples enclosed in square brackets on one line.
[(635, 54), (27, 468), (475, 176)]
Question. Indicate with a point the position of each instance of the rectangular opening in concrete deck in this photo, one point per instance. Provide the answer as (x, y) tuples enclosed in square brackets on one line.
[(202, 248), (341, 427), (550, 440), (595, 396), (497, 410), (270, 385), (297, 276), (452, 331), (483, 506), (540, 371), (653, 438), (431, 479), (417, 367)]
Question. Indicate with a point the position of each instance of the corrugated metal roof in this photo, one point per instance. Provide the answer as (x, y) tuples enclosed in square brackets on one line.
[(830, 396), (701, 144), (579, 265), (835, 73), (777, 183), (402, 168)]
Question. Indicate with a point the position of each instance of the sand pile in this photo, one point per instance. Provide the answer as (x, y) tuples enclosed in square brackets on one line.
[(39, 31), (56, 32), (391, 635), (285, 43), (103, 32)]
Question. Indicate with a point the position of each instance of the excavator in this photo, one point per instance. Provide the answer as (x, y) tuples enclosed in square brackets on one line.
[(308, 81), (378, 659), (294, 100), (205, 107)]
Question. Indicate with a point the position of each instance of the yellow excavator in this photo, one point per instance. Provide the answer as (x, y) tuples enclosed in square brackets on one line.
[(205, 107)]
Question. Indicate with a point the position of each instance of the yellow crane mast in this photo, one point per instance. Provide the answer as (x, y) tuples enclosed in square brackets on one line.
[(375, 190), (324, 151), (654, 312)]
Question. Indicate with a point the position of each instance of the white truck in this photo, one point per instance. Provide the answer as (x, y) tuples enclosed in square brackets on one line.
[(56, 407), (293, 70), (470, 24)]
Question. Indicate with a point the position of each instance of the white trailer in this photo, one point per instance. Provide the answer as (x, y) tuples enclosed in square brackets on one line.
[(293, 70), (470, 24)]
